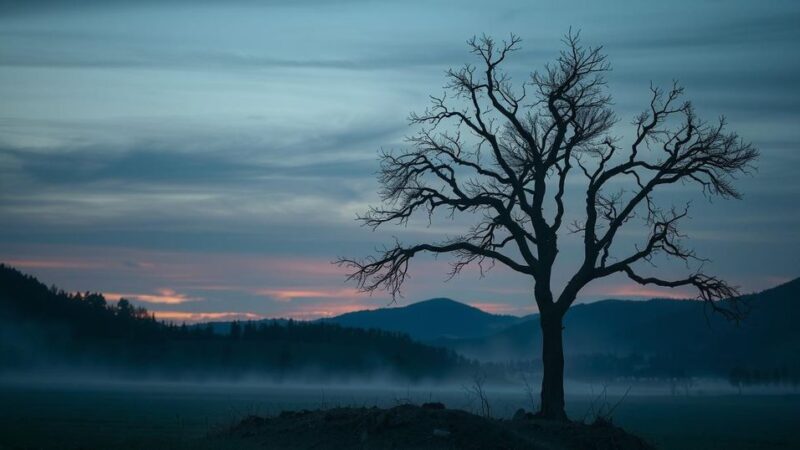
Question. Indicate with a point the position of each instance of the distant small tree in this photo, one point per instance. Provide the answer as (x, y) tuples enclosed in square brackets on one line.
[(96, 301), (125, 308), (236, 330), (250, 330), (505, 153)]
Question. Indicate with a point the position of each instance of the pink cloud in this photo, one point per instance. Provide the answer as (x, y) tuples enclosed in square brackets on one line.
[(52, 264), (163, 296), (507, 291), (503, 308), (286, 295), (306, 266), (639, 291), (317, 311), (187, 316)]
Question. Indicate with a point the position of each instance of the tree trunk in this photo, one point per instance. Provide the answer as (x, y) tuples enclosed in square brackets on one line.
[(553, 367)]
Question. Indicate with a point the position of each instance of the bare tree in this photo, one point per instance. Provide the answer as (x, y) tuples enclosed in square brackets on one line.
[(504, 154), (476, 391)]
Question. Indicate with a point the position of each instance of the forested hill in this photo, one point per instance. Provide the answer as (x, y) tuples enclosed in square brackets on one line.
[(42, 327), (657, 337)]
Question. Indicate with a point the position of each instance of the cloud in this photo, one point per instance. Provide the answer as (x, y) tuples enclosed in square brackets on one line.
[(196, 316), (318, 311), (164, 59), (636, 291), (59, 263), (503, 308), (146, 166), (174, 188), (186, 162), (162, 296), (287, 295), (139, 264), (761, 26), (59, 6)]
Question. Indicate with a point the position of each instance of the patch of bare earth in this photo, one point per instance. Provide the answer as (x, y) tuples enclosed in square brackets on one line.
[(430, 426)]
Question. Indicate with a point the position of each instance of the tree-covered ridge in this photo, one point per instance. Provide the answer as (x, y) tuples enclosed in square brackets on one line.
[(48, 327)]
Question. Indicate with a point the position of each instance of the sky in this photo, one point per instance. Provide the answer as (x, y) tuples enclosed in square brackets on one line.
[(207, 160)]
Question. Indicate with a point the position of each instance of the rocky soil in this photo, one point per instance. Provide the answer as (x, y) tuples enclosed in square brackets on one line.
[(430, 426)]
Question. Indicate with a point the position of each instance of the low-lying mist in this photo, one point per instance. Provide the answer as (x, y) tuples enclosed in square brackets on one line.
[(526, 386)]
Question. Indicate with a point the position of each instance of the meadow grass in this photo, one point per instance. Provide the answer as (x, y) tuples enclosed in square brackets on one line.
[(172, 416)]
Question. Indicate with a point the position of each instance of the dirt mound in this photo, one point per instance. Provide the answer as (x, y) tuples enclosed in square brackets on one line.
[(430, 426)]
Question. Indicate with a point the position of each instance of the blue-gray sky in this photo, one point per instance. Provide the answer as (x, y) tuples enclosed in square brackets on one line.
[(210, 157)]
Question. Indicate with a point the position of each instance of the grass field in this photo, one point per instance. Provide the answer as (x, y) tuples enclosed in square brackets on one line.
[(153, 415)]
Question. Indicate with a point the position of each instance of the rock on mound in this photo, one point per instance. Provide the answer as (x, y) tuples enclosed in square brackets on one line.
[(430, 426)]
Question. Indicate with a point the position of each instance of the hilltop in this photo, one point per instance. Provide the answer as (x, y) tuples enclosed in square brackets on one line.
[(428, 320), (430, 426)]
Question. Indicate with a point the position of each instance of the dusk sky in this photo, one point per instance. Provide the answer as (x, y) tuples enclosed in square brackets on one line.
[(208, 160)]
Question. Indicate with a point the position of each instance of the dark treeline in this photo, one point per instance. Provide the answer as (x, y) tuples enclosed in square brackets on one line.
[(48, 328), (608, 366), (675, 368), (669, 370), (780, 376)]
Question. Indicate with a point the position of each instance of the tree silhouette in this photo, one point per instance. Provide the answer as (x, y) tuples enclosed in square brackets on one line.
[(505, 154)]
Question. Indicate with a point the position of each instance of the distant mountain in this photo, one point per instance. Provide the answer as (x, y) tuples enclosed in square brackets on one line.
[(674, 333), (429, 320), (599, 327)]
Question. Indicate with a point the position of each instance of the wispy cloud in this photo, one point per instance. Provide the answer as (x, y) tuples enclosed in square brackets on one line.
[(289, 294), (318, 311), (51, 264), (186, 316), (163, 296), (632, 290), (503, 308)]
